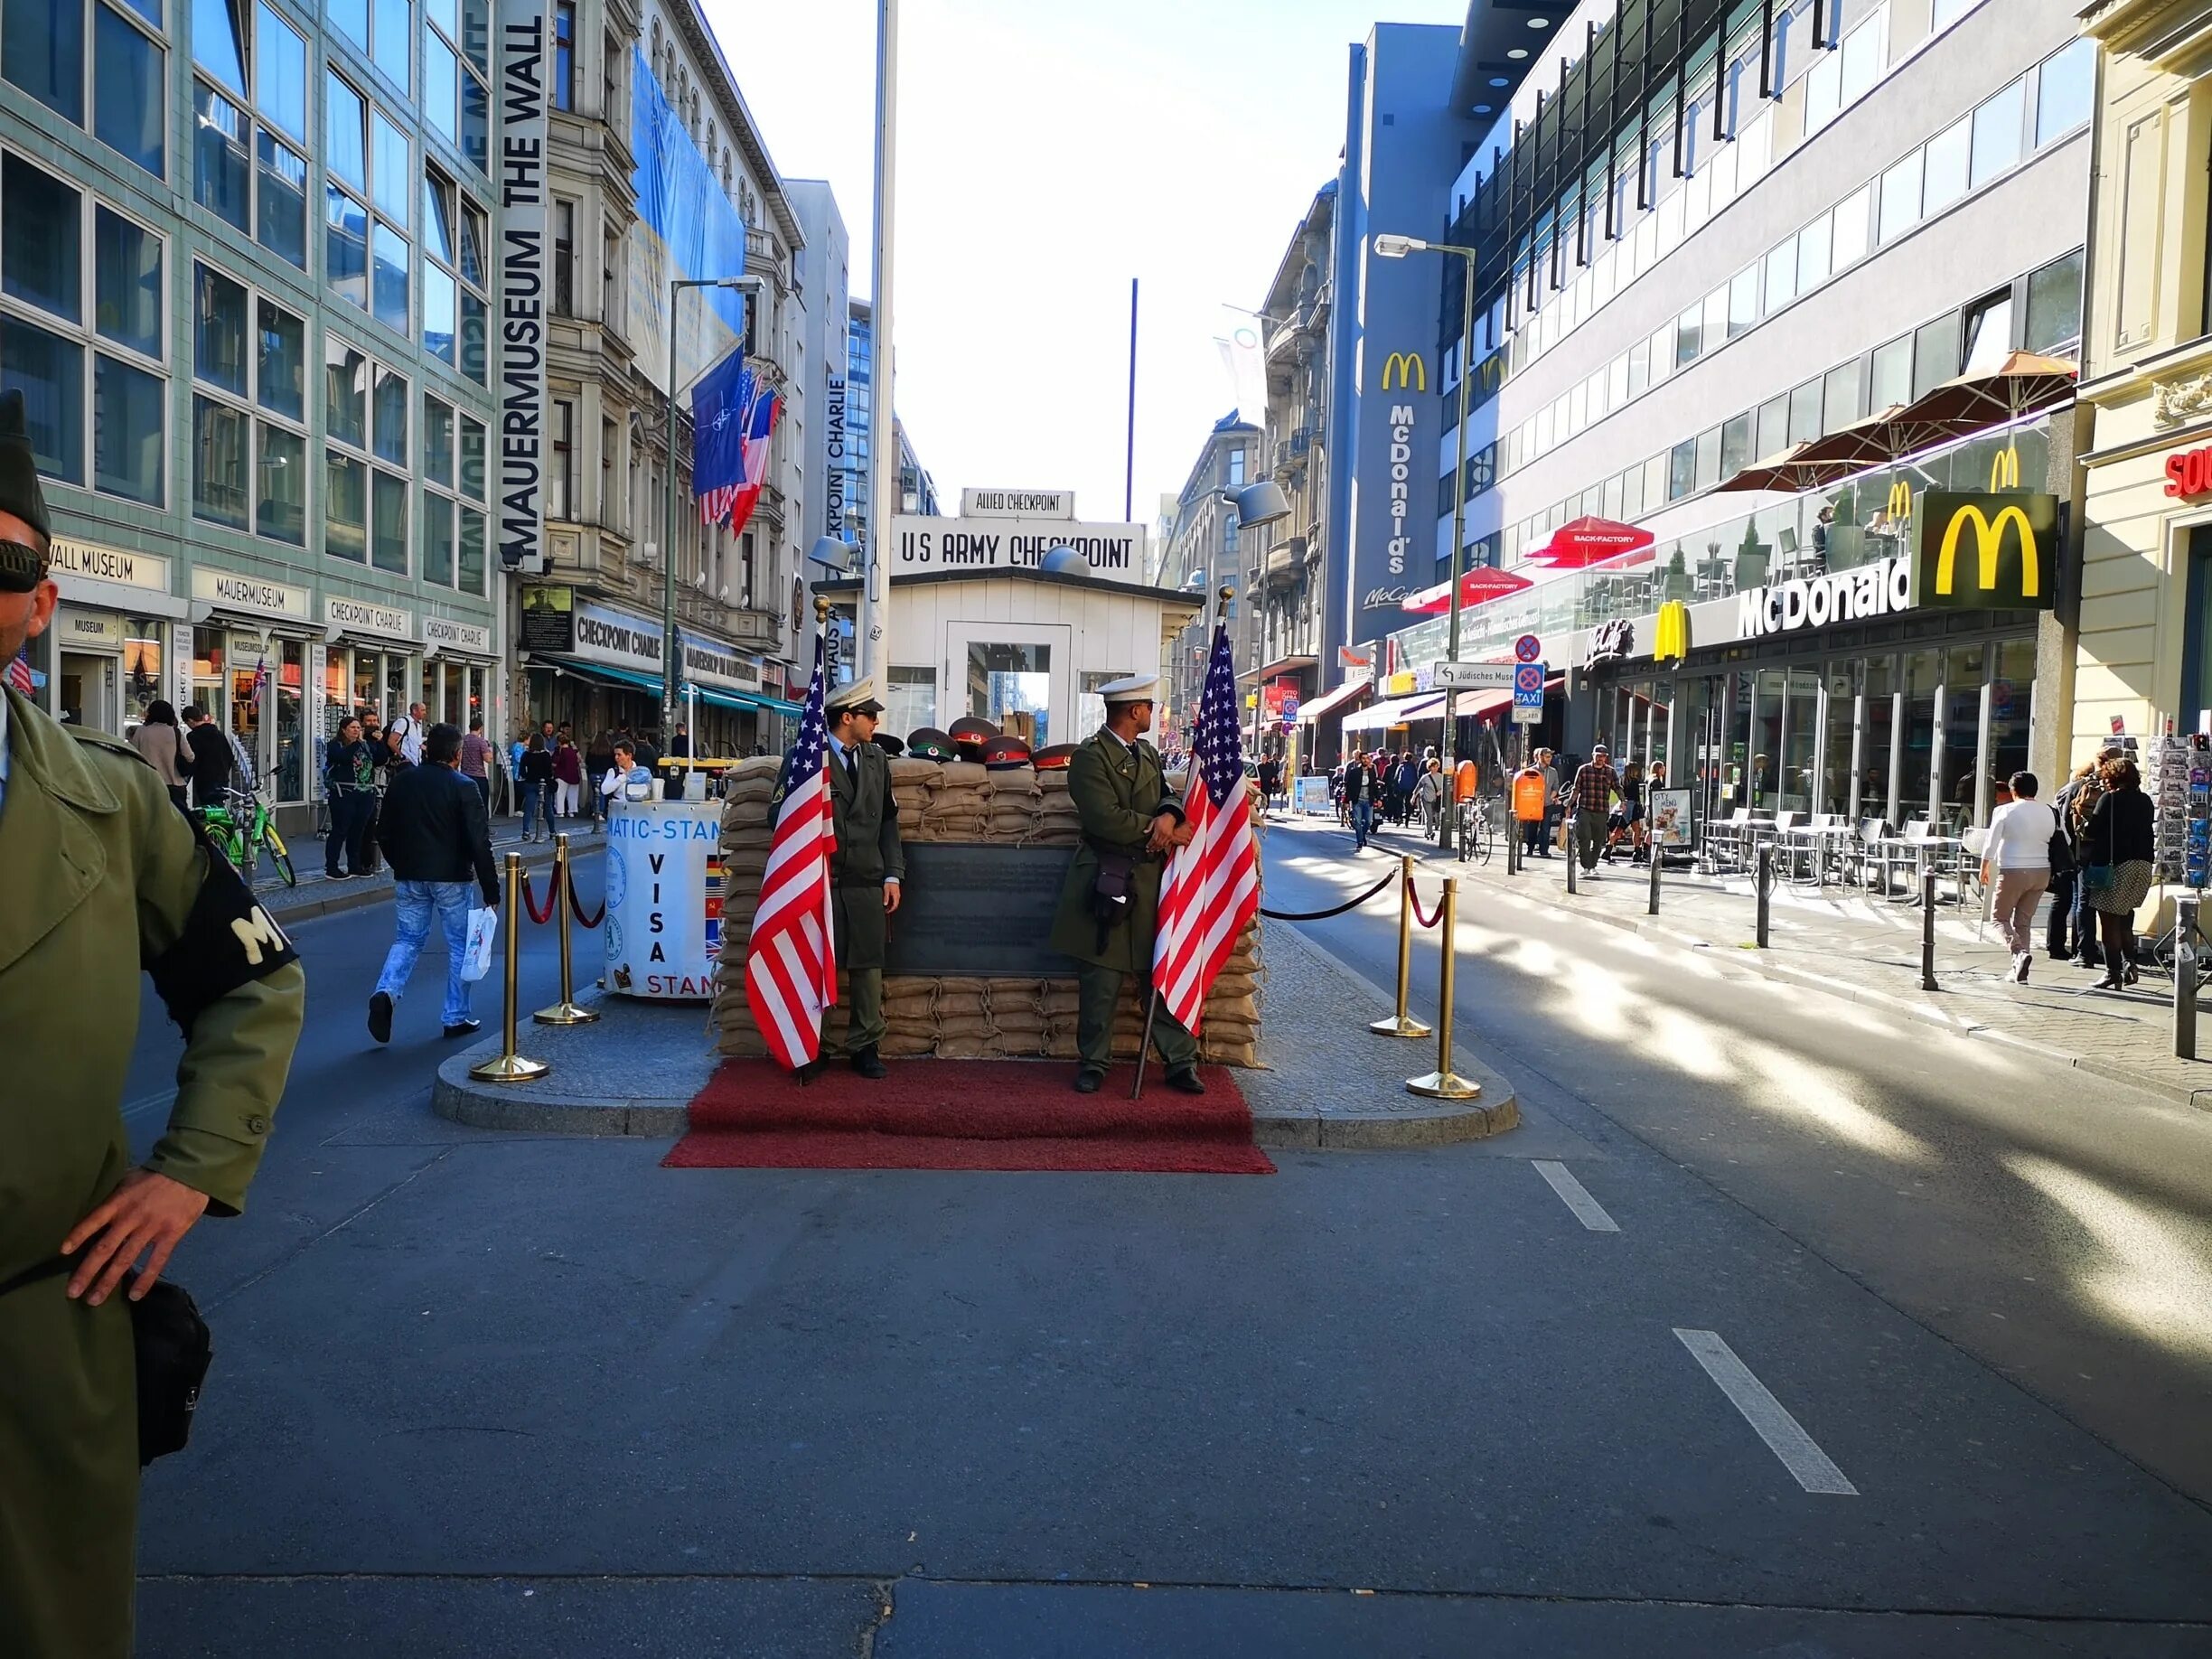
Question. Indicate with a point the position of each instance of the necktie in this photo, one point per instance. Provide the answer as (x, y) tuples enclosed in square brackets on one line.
[(852, 766)]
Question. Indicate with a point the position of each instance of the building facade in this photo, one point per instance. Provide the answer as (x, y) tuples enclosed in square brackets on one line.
[(1786, 237), (249, 249), (1207, 549)]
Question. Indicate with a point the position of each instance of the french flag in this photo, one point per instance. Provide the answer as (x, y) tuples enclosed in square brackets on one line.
[(759, 428)]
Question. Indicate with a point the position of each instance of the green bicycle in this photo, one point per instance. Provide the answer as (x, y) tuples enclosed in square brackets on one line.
[(242, 828)]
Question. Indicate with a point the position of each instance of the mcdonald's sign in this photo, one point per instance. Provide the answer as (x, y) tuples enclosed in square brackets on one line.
[(1670, 632), (1407, 370), (2012, 542), (2004, 469), (1900, 501)]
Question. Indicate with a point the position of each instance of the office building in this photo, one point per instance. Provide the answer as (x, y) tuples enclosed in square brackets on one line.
[(1710, 235), (1208, 549), (825, 301)]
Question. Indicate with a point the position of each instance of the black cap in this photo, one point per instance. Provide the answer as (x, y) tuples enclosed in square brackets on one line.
[(20, 494)]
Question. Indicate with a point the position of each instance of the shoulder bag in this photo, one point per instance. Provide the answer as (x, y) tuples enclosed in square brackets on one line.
[(174, 1350)]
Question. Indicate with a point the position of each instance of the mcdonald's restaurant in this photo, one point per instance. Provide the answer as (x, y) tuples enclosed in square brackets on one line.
[(1890, 669)]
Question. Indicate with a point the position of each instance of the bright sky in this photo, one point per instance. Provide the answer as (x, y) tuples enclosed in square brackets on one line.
[(1049, 152)]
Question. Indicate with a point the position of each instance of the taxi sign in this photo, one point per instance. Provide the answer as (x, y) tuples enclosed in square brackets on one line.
[(1528, 694)]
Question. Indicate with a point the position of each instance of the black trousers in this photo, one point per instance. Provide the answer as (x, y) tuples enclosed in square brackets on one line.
[(2054, 938), (352, 811)]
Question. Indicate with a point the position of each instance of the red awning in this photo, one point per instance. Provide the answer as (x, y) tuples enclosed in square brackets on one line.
[(1583, 542), (1329, 702), (1477, 587)]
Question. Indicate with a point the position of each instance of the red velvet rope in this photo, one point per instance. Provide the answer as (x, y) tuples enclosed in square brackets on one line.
[(530, 905), (575, 908), (1420, 916)]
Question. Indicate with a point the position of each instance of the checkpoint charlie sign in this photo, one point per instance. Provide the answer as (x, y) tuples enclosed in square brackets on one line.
[(924, 545)]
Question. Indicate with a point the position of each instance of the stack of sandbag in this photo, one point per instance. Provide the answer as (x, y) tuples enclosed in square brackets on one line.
[(747, 830), (959, 808), (965, 1030), (910, 1018), (913, 782), (1017, 1015), (1013, 805), (1057, 823)]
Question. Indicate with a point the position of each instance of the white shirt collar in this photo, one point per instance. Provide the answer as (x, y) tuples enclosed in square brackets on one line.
[(837, 744)]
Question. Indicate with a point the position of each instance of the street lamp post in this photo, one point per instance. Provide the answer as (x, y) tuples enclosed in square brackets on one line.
[(1256, 504), (871, 617), (672, 659), (1397, 247)]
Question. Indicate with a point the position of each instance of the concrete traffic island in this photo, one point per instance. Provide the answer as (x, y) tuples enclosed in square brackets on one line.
[(1325, 1081)]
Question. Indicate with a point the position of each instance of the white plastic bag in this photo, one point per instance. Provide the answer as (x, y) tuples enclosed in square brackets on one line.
[(482, 932)]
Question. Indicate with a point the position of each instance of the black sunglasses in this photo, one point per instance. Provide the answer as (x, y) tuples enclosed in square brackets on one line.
[(21, 566)]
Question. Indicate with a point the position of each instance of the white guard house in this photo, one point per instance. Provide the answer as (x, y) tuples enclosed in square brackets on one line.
[(988, 620)]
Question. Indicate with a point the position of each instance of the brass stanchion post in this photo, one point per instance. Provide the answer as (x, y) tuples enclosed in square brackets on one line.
[(1403, 1024), (1444, 1084), (509, 1066), (566, 1011)]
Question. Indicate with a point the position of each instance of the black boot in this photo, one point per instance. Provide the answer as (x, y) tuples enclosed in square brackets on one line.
[(869, 1064), (1185, 1080), (1087, 1081)]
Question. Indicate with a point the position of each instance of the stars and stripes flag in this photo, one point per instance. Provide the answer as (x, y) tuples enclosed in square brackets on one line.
[(1211, 887), (790, 962), (19, 677)]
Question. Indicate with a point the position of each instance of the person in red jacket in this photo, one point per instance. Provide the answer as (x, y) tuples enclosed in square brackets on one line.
[(568, 775)]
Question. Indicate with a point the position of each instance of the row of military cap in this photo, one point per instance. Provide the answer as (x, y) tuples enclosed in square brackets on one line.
[(976, 739)]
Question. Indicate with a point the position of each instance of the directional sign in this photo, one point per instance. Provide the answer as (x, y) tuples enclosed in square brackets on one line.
[(1528, 689), (1472, 676), (1528, 648)]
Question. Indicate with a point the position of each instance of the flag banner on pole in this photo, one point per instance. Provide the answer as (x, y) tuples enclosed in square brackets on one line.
[(791, 961), (760, 427), (719, 403), (1212, 886), (19, 675)]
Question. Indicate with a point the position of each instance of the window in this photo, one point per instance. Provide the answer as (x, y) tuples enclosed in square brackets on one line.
[(1850, 228), (1770, 436), (2054, 307), (455, 101), (1735, 447), (1988, 330), (393, 40), (1781, 274), (42, 52), (249, 471), (1862, 56), (1743, 301), (367, 258), (1950, 157), (1842, 395), (249, 170), (1709, 458), (365, 507), (1681, 470), (2065, 91), (1997, 127), (564, 257), (1812, 245), (1900, 198), (1823, 92), (560, 485), (564, 56), (1891, 382), (1935, 354), (1804, 412), (452, 298), (130, 79)]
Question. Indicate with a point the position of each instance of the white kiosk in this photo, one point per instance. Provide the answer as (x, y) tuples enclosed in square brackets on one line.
[(663, 928)]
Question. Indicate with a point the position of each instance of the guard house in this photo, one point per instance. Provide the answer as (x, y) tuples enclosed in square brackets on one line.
[(1023, 643)]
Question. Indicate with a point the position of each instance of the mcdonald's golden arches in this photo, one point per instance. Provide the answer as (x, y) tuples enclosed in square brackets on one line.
[(2004, 469), (1997, 576), (1670, 632), (1407, 370), (1900, 500)]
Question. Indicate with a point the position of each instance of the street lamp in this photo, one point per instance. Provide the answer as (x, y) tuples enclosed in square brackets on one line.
[(1388, 246), (1254, 505), (672, 659)]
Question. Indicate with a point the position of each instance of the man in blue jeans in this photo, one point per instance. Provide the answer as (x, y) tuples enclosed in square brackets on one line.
[(1361, 788), (434, 831)]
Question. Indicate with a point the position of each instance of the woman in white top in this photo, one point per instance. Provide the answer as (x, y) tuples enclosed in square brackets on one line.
[(2018, 859)]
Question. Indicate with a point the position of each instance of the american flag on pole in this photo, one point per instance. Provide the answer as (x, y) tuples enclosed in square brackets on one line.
[(19, 676), (790, 962), (1211, 887)]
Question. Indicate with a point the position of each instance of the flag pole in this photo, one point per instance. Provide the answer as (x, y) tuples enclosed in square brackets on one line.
[(1144, 1047)]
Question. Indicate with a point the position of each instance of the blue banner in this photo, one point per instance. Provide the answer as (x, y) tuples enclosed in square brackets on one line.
[(686, 227)]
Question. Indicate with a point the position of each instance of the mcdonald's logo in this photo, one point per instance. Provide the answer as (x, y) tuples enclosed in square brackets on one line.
[(1670, 632), (1408, 369), (1900, 500), (2004, 469), (1946, 521)]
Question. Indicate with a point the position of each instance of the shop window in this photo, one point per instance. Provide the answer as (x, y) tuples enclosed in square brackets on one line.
[(2011, 710), (2054, 307), (1962, 769), (1877, 741), (1838, 724), (2065, 91)]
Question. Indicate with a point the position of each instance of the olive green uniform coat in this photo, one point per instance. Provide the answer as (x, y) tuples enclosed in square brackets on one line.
[(100, 873), (868, 854), (1118, 789)]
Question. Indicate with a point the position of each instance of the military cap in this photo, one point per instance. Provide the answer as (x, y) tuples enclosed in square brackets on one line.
[(22, 568), (1055, 758), (1134, 689), (889, 745), (971, 732), (860, 696), (1005, 754), (927, 742)]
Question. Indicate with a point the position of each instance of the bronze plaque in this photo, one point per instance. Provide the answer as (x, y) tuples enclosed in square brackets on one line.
[(971, 910)]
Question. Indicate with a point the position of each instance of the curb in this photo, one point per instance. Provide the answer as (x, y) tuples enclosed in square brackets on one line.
[(349, 898), (1752, 963)]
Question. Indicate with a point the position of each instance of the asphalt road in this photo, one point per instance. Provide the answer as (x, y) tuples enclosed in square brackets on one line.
[(480, 1395)]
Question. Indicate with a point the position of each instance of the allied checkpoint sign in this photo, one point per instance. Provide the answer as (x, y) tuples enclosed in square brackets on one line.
[(922, 546), (664, 886)]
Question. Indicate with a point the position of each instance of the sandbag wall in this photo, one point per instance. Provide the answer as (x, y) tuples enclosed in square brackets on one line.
[(961, 1019)]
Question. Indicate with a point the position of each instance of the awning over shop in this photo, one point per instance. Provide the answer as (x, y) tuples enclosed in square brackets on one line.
[(758, 700), (601, 672), (1328, 703), (1397, 711)]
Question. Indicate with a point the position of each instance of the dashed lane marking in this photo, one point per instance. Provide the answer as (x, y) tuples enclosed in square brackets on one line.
[(1575, 1196), (1784, 1434)]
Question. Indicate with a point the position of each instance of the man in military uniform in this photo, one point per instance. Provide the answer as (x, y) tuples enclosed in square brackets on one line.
[(1110, 905), (103, 875), (866, 870)]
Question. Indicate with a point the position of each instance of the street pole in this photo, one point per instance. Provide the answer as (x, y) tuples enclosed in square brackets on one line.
[(668, 533), (1129, 464), (872, 640), (1459, 552)]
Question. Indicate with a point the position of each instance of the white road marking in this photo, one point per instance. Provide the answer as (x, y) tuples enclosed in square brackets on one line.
[(1575, 1196), (1784, 1434)]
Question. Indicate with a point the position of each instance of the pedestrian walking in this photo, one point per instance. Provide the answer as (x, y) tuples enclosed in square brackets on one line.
[(598, 757), (213, 764), (348, 780), (1547, 768), (1361, 788), (2016, 864), (567, 776), (1110, 903), (2062, 931), (435, 832), (103, 877), (515, 752), (162, 742), (2117, 869), (1592, 798), (867, 869), (476, 760), (537, 788), (1428, 796), (406, 732)]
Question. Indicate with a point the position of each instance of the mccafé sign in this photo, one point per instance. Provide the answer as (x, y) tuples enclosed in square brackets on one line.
[(2189, 472)]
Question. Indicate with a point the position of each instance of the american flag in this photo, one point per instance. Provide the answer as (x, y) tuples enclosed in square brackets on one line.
[(19, 676), (1211, 888), (790, 962)]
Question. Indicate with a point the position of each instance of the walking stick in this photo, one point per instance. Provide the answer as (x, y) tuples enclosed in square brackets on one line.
[(1144, 1047)]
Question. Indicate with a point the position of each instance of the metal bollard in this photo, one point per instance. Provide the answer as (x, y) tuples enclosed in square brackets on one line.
[(1655, 861), (1574, 860), (510, 1067), (2185, 979), (1513, 846), (566, 1011), (1444, 1084), (1927, 927), (1403, 1024), (1762, 887)]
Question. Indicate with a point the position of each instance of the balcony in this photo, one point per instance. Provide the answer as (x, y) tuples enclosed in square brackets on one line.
[(1286, 562)]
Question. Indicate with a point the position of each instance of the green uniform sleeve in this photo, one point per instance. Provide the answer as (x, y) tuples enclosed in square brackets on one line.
[(888, 844), (232, 1071), (1098, 804)]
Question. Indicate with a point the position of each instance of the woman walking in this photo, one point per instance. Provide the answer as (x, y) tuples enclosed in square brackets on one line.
[(2016, 863), (2117, 868), (537, 788), (161, 741)]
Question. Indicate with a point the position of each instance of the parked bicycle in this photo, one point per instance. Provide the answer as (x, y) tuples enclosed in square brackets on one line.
[(1478, 830), (243, 829)]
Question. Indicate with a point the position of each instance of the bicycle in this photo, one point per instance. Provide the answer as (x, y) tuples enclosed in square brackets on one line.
[(242, 828), (1477, 831)]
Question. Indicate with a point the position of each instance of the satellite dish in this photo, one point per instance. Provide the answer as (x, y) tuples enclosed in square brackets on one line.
[(1065, 562)]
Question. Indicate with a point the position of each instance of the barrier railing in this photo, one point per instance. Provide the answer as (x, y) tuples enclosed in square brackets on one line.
[(508, 1066), (1444, 1084), (566, 1011), (1403, 1024)]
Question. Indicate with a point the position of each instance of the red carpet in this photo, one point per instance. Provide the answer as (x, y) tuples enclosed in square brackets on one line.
[(966, 1114)]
